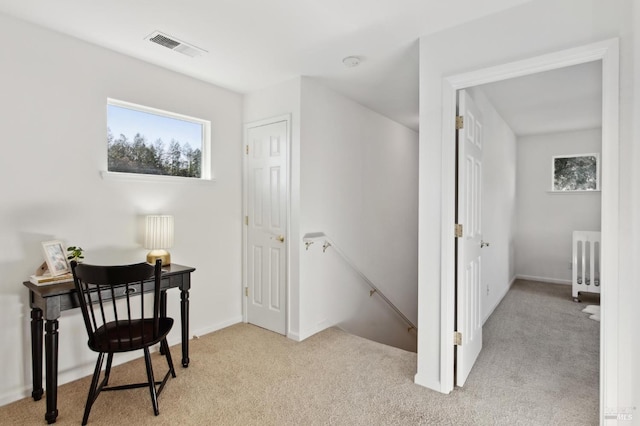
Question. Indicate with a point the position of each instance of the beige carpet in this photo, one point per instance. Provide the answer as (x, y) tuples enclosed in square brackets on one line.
[(538, 366)]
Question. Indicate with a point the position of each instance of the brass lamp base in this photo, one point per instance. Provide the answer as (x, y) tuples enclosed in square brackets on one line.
[(163, 255)]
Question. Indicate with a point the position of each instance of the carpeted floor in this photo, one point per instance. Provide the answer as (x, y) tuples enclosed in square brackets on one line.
[(539, 366)]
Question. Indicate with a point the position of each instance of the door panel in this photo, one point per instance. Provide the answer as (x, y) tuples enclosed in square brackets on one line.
[(266, 229), (469, 261)]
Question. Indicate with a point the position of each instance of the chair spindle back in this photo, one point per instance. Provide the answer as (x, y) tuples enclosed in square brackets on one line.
[(108, 307)]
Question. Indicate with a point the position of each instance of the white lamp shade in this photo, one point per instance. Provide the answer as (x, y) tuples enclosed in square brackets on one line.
[(159, 232)]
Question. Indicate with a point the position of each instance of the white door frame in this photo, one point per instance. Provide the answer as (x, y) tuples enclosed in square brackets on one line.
[(608, 52), (245, 191)]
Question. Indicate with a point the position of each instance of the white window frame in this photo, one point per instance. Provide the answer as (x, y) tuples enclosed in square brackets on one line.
[(553, 172), (206, 174)]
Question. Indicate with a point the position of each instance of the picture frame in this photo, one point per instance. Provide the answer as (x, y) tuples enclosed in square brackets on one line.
[(55, 257), (575, 173)]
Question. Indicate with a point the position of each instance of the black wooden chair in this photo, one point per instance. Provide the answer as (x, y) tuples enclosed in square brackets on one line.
[(116, 321)]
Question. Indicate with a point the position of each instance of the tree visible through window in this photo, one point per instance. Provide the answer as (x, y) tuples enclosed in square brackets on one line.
[(149, 141), (576, 173)]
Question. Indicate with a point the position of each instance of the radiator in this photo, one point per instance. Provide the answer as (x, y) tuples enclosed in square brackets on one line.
[(585, 263)]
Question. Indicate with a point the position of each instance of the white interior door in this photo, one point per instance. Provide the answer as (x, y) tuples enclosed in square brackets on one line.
[(266, 222), (469, 261)]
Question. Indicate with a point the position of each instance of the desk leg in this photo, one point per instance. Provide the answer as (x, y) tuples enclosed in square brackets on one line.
[(51, 347), (184, 313), (36, 353), (163, 311)]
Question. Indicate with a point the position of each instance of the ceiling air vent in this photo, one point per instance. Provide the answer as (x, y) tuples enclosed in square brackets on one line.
[(175, 44)]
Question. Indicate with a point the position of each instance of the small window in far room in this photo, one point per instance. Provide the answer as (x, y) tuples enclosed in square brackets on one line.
[(576, 172), (150, 141)]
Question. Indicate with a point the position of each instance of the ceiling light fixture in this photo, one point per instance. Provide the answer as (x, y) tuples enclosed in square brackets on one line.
[(351, 61)]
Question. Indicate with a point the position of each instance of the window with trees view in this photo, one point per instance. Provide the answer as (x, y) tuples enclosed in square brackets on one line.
[(153, 142), (576, 172)]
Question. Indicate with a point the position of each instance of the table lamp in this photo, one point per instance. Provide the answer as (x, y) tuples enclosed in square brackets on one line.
[(158, 238)]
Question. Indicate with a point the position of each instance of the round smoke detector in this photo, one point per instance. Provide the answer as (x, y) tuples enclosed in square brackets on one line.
[(351, 61)]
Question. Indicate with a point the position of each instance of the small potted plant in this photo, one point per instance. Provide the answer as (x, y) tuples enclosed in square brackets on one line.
[(75, 253)]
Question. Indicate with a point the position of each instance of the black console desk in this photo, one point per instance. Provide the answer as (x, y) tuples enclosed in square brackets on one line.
[(48, 301)]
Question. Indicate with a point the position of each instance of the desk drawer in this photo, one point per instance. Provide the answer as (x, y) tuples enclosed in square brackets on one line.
[(119, 292)]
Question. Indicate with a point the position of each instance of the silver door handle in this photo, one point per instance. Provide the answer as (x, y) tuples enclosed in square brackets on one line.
[(483, 244)]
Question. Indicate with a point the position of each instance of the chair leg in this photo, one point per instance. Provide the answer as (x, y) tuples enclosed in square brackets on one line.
[(93, 389), (164, 346), (152, 383), (107, 371)]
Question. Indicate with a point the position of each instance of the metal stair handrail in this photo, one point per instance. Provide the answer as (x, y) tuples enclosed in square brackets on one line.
[(312, 237)]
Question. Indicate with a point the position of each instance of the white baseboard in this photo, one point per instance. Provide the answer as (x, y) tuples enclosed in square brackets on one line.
[(294, 336), (210, 329), (86, 369), (310, 332), (10, 397), (495, 305), (429, 384), (543, 279)]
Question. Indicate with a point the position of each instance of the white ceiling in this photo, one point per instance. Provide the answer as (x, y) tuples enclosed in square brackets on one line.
[(253, 44), (553, 101)]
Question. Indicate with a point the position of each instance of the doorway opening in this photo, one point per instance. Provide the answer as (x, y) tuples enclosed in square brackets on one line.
[(607, 52), (524, 234)]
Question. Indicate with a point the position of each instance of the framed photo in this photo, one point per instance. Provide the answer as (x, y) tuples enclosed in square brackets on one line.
[(579, 172), (54, 255)]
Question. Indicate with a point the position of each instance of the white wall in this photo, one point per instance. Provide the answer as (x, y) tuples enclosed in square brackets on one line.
[(547, 219), (359, 186), (498, 204), (53, 121), (504, 37)]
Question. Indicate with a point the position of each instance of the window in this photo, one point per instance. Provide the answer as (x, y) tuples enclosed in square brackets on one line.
[(576, 172), (149, 141)]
